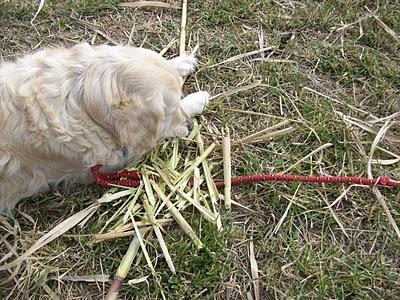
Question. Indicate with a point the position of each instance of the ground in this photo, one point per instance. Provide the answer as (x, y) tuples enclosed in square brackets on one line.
[(333, 72)]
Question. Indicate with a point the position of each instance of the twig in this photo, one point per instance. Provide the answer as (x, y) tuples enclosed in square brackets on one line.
[(327, 145), (166, 48), (149, 208), (243, 55), (247, 210), (385, 27), (274, 60), (226, 150), (131, 35), (96, 29), (156, 4), (237, 90), (375, 189), (254, 270), (272, 135), (84, 278), (182, 42), (392, 116), (178, 216), (41, 4), (335, 100), (261, 133), (282, 219), (346, 26), (341, 196), (260, 114), (334, 214), (365, 126)]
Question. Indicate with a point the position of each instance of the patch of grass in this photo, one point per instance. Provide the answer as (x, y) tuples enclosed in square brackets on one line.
[(88, 7), (316, 266), (12, 10), (15, 10), (349, 63), (204, 269), (227, 13)]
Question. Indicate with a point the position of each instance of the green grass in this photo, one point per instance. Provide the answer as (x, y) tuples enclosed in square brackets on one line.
[(12, 10), (309, 257)]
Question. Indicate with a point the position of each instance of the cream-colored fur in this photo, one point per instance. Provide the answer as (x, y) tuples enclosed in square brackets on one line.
[(65, 110)]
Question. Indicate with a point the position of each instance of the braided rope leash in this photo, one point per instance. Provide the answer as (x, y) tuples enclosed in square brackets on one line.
[(133, 179)]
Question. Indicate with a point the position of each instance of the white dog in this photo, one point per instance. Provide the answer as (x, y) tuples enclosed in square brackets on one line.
[(63, 111)]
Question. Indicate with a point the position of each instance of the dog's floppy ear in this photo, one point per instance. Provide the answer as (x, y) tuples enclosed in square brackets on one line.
[(102, 92), (114, 98)]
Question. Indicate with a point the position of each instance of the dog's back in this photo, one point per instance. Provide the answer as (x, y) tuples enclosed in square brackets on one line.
[(28, 120)]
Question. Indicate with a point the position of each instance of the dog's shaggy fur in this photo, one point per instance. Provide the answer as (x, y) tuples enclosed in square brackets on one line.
[(65, 110)]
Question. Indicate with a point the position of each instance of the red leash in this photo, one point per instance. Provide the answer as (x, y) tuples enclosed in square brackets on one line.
[(132, 179)]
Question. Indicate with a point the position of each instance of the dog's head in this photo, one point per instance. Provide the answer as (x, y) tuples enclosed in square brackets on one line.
[(134, 95)]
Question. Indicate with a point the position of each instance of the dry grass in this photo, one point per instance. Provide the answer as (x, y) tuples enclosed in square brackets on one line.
[(330, 72)]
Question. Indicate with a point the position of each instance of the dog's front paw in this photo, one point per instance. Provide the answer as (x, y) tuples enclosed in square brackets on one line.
[(195, 103), (184, 64)]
